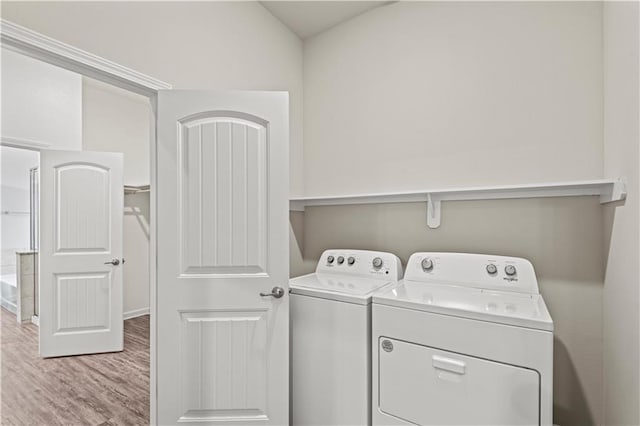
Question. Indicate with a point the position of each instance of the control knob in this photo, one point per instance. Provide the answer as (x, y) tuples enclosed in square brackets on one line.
[(377, 263), (492, 269), (510, 270), (427, 264), (330, 259), (340, 260), (351, 260)]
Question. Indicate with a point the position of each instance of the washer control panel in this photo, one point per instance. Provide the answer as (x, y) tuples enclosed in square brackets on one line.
[(362, 263), (473, 270)]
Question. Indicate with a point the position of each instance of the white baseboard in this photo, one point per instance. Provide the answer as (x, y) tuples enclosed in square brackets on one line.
[(35, 320), (136, 313), (11, 307)]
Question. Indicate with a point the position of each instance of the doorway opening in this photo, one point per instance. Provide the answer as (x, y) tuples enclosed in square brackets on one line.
[(46, 108)]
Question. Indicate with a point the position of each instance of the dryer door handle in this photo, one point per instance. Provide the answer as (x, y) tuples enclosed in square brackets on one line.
[(448, 364)]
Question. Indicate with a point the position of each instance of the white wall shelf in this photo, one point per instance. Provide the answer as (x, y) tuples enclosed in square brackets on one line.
[(609, 190)]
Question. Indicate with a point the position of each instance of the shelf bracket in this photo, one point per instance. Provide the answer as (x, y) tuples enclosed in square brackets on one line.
[(433, 211), (618, 192)]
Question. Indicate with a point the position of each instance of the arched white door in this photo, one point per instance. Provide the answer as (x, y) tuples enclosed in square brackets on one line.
[(222, 239), (80, 252)]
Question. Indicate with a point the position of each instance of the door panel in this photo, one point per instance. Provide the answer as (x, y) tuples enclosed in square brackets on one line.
[(222, 187), (223, 194), (82, 217), (82, 301), (223, 353), (81, 209)]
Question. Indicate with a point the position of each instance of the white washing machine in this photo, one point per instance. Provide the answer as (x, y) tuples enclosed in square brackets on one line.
[(463, 339), (331, 336)]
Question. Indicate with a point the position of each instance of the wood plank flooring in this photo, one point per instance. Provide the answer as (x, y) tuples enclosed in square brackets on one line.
[(103, 389)]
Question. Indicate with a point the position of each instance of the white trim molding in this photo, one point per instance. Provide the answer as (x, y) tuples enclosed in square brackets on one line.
[(135, 313), (23, 143), (47, 49)]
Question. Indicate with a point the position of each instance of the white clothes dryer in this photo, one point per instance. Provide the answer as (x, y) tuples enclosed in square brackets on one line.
[(331, 336), (463, 339)]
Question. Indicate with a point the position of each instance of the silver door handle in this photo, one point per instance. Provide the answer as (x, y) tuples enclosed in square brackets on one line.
[(276, 292), (114, 262)]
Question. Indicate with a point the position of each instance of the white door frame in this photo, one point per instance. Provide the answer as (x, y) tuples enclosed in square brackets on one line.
[(52, 51)]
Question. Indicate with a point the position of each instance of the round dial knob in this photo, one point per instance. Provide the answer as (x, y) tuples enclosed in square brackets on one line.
[(377, 262), (427, 264), (340, 260), (330, 259), (351, 260), (510, 270), (492, 269)]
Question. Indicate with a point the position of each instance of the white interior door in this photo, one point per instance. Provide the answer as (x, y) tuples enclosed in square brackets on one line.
[(81, 212), (222, 351)]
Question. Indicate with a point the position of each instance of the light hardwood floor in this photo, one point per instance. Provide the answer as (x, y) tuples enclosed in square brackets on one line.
[(103, 389)]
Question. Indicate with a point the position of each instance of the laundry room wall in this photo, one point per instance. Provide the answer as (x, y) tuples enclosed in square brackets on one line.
[(115, 120), (621, 158), (418, 95), (442, 94)]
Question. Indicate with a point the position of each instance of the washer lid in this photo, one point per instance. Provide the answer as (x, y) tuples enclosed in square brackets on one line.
[(344, 288), (504, 307)]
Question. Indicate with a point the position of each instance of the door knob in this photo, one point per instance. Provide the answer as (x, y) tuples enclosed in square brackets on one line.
[(114, 262), (276, 292)]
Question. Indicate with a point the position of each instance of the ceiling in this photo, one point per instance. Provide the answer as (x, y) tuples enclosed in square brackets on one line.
[(308, 18)]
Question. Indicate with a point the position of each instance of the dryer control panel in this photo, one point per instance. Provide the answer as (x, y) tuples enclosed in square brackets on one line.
[(482, 271), (363, 263)]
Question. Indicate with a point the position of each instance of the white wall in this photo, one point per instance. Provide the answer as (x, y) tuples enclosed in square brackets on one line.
[(621, 158), (120, 121), (136, 253), (191, 45), (40, 102), (14, 228), (437, 94)]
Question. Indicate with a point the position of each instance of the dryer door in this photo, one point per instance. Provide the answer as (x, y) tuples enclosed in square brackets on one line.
[(423, 385)]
